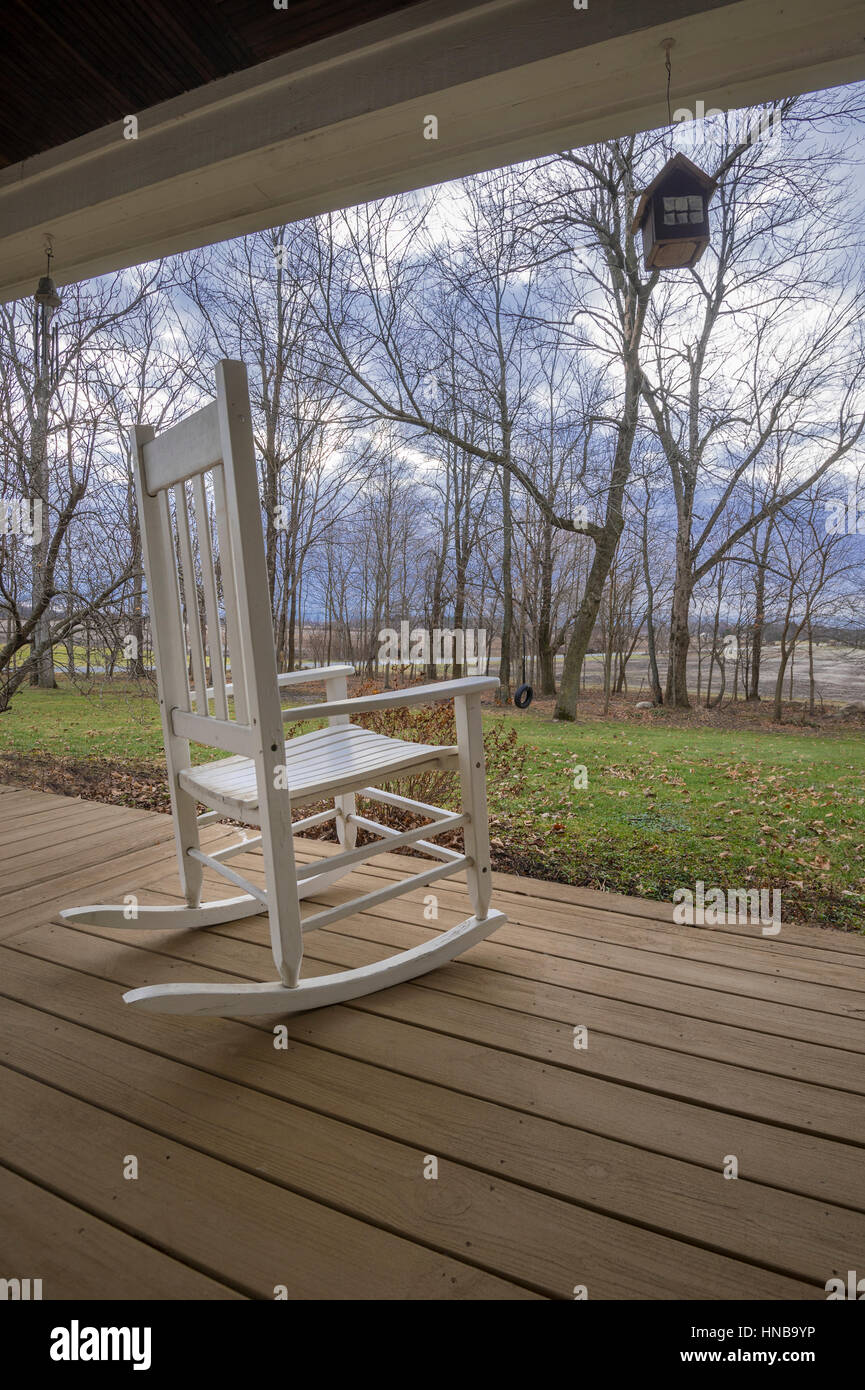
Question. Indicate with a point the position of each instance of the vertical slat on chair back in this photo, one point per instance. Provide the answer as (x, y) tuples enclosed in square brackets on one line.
[(229, 592), (209, 645), (211, 597), (199, 551), (242, 510), (189, 586), (160, 561)]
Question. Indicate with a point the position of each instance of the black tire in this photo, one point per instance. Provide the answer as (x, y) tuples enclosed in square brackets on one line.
[(523, 696)]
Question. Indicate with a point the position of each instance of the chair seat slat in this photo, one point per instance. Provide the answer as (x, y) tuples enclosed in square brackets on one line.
[(318, 763)]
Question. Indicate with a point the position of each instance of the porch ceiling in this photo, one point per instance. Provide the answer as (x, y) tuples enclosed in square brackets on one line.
[(68, 69), (340, 120)]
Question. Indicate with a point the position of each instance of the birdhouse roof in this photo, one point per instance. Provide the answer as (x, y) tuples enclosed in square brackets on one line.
[(678, 164)]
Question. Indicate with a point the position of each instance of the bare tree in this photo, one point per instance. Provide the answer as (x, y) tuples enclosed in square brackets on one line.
[(51, 436), (762, 352)]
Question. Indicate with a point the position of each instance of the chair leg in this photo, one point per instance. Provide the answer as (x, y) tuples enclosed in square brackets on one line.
[(470, 741), (277, 849), (346, 832), (337, 689), (187, 838)]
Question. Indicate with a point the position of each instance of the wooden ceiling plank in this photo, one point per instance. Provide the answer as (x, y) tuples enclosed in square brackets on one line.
[(94, 75), (67, 71)]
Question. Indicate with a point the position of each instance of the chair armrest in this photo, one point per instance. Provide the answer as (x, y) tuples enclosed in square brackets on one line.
[(303, 677), (392, 699), (313, 673)]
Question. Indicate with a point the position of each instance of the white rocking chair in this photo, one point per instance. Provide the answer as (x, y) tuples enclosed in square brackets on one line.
[(267, 775)]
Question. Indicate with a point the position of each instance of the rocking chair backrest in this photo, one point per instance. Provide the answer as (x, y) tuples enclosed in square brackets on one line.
[(209, 539)]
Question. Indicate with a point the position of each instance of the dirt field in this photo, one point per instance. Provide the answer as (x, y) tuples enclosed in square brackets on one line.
[(839, 673)]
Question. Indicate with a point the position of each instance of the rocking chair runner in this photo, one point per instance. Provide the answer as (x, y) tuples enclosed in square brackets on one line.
[(267, 775)]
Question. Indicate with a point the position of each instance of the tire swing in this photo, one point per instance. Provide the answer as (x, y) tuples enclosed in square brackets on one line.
[(523, 693)]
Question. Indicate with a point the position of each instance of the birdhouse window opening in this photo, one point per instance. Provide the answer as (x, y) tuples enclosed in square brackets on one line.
[(678, 210)]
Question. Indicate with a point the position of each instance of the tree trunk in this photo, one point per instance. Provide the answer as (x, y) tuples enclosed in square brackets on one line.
[(651, 645), (504, 693), (753, 685), (546, 650), (136, 665), (581, 636), (546, 662), (606, 545), (777, 703), (291, 628), (676, 693)]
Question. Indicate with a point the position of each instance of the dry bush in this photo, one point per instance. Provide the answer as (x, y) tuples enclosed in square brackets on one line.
[(436, 724), (430, 724)]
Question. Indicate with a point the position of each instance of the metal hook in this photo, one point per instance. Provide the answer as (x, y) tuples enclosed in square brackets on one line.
[(668, 45)]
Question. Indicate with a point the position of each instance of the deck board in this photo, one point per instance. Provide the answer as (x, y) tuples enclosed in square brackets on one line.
[(77, 1255), (303, 1166)]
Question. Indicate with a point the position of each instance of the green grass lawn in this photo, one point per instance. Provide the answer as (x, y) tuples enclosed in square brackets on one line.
[(662, 808), (119, 720)]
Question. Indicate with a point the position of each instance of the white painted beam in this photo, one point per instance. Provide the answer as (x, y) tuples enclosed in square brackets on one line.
[(341, 121)]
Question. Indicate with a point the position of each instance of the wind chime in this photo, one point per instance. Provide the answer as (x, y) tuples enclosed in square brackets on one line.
[(46, 376), (45, 342)]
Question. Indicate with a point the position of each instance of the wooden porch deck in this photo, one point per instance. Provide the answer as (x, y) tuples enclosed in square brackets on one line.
[(302, 1167)]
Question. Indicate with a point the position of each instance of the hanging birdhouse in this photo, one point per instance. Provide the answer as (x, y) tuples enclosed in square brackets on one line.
[(673, 215)]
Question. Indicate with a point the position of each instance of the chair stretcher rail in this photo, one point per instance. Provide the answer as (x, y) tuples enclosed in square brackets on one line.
[(403, 803), (254, 841), (382, 895), (233, 877), (440, 851), (408, 837)]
